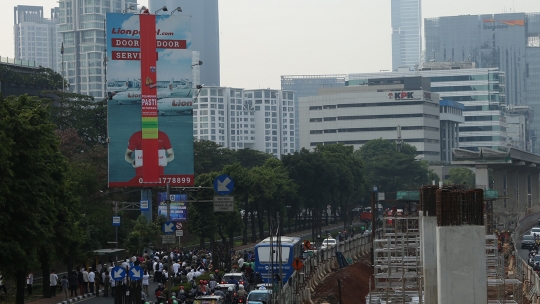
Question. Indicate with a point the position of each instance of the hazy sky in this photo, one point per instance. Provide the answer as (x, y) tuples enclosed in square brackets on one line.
[(260, 40)]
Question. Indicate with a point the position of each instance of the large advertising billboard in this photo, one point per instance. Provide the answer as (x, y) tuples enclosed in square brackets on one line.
[(150, 106)]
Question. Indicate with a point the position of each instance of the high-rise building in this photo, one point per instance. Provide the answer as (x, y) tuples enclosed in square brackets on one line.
[(510, 42), (406, 33), (82, 26), (305, 86), (480, 91), (36, 38), (235, 118), (204, 33), (355, 115)]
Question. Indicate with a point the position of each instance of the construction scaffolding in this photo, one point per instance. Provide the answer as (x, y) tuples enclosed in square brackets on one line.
[(397, 261)]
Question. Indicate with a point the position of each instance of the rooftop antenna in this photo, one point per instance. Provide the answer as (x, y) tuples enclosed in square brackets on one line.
[(399, 141)]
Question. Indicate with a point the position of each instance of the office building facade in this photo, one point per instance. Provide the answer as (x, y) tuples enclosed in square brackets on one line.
[(406, 33), (36, 37), (509, 41), (235, 118), (82, 26), (480, 91), (355, 115), (308, 85), (204, 33)]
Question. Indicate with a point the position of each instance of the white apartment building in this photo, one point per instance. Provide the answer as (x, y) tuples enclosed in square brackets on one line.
[(82, 27), (36, 38), (357, 114), (261, 119)]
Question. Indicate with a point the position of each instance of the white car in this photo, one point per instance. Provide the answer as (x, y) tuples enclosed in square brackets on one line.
[(327, 243), (535, 230)]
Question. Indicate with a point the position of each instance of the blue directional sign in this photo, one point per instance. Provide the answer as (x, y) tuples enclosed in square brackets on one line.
[(169, 227), (136, 273), (223, 184), (116, 221), (118, 273)]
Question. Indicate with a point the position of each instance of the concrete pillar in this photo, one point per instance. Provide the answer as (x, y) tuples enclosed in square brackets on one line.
[(523, 188), (535, 190), (499, 206), (461, 264), (428, 225), (511, 191), (481, 175)]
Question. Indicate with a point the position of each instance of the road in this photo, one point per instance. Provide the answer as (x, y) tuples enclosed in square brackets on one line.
[(524, 253)]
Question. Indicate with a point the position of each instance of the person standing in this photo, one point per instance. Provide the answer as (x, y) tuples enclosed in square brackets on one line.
[(91, 280), (64, 283), (97, 282), (106, 283), (53, 282), (85, 280), (145, 281), (29, 282), (2, 285), (73, 283), (80, 281)]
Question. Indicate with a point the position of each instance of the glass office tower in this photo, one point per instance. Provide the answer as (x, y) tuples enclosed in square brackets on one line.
[(510, 42), (406, 33)]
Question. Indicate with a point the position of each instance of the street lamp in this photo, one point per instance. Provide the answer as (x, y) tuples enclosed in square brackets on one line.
[(164, 8), (130, 8), (178, 9), (142, 9)]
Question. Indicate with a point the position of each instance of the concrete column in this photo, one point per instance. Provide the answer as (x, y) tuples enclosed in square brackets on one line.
[(511, 192), (428, 225), (498, 185), (535, 193), (482, 180), (461, 264), (523, 190)]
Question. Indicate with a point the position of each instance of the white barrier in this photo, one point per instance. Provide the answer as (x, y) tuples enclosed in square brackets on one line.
[(303, 282)]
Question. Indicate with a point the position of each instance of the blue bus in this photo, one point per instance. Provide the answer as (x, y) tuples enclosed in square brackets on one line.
[(291, 248)]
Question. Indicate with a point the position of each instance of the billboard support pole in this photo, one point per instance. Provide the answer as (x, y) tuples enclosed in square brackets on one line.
[(169, 258), (116, 228)]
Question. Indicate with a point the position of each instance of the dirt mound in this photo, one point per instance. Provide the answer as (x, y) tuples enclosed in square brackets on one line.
[(354, 285)]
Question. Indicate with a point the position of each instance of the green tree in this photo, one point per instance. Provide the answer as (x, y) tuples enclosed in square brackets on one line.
[(460, 176), (242, 185), (34, 194), (144, 234), (392, 170), (249, 158), (202, 219), (210, 157)]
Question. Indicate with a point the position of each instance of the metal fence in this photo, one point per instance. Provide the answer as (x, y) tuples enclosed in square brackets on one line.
[(522, 271), (302, 282)]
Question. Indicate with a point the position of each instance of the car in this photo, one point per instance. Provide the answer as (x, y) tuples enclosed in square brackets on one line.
[(528, 241), (240, 277), (259, 296), (225, 287), (328, 243), (535, 230), (209, 300)]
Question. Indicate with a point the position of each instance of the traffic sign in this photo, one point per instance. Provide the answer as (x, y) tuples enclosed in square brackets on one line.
[(169, 227), (144, 205), (307, 245), (116, 221), (168, 239), (223, 203), (118, 273), (179, 232), (136, 273), (297, 264), (223, 184), (179, 226), (328, 207)]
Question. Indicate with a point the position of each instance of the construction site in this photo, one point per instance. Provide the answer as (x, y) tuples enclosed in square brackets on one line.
[(438, 245)]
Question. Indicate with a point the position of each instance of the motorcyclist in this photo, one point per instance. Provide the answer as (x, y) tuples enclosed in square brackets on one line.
[(229, 295), (241, 292), (258, 278)]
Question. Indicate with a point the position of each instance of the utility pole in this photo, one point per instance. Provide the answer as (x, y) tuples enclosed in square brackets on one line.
[(373, 198), (116, 228), (169, 259)]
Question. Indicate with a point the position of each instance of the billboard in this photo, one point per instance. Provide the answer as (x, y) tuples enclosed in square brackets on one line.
[(150, 105), (178, 206)]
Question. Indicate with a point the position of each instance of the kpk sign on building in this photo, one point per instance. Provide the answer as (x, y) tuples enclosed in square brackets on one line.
[(150, 139)]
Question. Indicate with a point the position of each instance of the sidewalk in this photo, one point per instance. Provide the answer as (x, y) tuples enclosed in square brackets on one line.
[(59, 299)]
